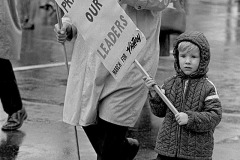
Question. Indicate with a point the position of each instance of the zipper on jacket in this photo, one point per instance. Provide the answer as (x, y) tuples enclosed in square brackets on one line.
[(185, 91), (178, 136)]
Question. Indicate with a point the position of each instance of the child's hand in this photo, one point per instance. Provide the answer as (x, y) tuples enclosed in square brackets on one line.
[(149, 82), (181, 118)]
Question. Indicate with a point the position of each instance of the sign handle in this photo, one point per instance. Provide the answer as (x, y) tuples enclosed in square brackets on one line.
[(59, 19), (157, 89), (66, 63)]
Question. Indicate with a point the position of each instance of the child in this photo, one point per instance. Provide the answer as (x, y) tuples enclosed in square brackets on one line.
[(188, 134)]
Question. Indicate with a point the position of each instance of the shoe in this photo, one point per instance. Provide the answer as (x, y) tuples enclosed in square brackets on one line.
[(15, 121), (133, 149)]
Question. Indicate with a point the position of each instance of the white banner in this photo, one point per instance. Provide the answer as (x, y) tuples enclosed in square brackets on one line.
[(107, 30)]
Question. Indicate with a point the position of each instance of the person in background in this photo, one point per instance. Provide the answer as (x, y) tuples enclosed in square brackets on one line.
[(90, 85), (47, 5), (27, 10), (189, 133), (10, 46)]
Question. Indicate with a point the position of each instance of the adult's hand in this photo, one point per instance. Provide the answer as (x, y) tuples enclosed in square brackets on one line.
[(63, 33)]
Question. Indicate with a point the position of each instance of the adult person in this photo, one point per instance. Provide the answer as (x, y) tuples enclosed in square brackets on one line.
[(104, 107), (10, 46)]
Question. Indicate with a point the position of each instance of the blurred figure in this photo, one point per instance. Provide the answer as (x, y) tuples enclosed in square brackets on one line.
[(48, 5), (28, 10), (10, 46)]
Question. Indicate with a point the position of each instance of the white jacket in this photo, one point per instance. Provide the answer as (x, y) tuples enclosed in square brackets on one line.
[(92, 91)]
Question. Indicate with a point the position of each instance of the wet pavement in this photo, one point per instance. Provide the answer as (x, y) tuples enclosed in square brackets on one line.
[(41, 76)]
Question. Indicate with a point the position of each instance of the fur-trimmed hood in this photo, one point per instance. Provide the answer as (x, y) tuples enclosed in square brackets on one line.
[(200, 40)]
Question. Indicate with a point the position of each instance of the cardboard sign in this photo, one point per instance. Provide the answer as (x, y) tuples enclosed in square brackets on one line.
[(108, 31)]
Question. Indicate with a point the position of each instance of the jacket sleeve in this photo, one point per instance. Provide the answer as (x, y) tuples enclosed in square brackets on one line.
[(158, 107), (155, 5), (210, 117)]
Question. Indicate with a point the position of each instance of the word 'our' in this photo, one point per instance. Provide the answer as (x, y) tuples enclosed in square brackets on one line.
[(93, 10)]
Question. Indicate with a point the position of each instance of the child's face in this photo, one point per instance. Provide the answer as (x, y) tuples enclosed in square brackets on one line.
[(189, 60)]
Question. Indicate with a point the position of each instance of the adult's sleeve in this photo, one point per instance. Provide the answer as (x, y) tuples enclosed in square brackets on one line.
[(155, 5)]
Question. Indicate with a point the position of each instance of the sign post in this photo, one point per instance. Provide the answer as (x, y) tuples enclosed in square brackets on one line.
[(66, 63), (158, 90)]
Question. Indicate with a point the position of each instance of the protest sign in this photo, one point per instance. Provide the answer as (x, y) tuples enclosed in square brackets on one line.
[(107, 30)]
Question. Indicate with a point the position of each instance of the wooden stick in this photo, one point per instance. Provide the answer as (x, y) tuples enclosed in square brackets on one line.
[(66, 63), (59, 19), (157, 89)]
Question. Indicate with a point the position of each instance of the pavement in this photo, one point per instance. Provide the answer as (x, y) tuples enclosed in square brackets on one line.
[(44, 136)]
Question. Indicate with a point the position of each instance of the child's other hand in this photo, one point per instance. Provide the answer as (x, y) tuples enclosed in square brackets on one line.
[(149, 82), (181, 118)]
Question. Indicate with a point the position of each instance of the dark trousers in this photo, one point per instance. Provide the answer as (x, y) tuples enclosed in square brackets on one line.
[(108, 140), (9, 93)]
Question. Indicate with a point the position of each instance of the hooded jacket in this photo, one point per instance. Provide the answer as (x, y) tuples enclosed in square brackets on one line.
[(194, 95)]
